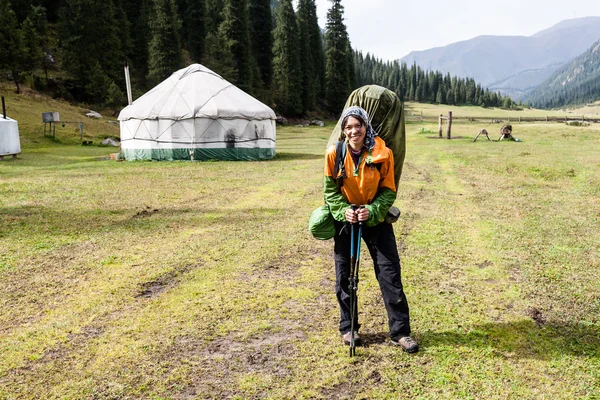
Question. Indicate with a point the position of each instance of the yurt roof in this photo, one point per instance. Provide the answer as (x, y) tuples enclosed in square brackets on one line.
[(196, 92)]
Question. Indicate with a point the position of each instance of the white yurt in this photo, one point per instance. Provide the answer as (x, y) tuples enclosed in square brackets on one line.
[(197, 115), (10, 143)]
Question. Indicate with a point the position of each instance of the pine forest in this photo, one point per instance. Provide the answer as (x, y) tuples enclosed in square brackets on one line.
[(76, 49)]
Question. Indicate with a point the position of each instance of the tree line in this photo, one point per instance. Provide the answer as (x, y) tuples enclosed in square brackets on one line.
[(276, 53), (415, 84), (582, 92)]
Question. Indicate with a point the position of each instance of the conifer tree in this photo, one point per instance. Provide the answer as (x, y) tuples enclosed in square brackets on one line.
[(138, 13), (123, 29), (439, 98), (215, 15), (286, 61), (236, 29), (38, 17), (32, 51), (450, 97), (165, 46), (352, 81), (195, 22), (394, 77), (21, 9), (411, 92), (218, 56), (261, 26), (52, 9), (337, 69), (88, 36), (97, 85), (315, 37), (309, 80), (11, 44)]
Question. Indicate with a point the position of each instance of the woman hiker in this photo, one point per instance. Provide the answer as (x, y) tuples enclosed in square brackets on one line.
[(369, 182)]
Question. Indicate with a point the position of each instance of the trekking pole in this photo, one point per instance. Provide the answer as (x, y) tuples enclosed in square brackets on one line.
[(355, 277), (352, 287)]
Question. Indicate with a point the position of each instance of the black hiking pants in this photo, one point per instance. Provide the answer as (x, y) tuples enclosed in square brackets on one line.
[(381, 243)]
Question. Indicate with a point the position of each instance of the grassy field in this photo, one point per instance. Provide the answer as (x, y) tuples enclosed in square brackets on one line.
[(589, 109), (128, 280), (429, 110)]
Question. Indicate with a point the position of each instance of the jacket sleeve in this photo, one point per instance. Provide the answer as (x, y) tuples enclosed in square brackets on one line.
[(333, 196), (379, 207), (335, 199), (386, 193)]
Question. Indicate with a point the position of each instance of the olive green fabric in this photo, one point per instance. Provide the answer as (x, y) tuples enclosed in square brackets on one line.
[(387, 118), (321, 224)]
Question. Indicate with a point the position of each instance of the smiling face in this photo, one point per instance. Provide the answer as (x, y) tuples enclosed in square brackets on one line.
[(355, 131)]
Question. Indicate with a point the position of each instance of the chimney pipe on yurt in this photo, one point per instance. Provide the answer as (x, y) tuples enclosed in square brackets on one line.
[(128, 84)]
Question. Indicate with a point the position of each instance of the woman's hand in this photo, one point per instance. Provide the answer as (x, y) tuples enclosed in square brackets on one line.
[(362, 214), (351, 216), (354, 216)]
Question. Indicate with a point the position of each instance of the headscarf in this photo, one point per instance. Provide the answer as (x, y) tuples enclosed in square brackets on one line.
[(360, 113)]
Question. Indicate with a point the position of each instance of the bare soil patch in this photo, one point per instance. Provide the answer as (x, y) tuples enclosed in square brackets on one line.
[(146, 212), (157, 286), (537, 316)]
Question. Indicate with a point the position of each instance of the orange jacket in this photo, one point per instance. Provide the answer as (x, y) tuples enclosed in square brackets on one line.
[(374, 176)]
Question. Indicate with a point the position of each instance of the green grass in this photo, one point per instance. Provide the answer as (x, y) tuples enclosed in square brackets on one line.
[(416, 109), (200, 280)]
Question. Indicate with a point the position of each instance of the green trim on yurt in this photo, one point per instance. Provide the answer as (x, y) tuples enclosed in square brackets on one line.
[(226, 154)]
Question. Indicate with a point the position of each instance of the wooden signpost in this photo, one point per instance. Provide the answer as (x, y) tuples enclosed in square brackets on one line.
[(448, 125)]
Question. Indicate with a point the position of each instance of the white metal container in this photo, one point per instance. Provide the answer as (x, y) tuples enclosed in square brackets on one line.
[(9, 137)]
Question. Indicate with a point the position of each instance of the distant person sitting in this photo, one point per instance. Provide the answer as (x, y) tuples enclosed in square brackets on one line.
[(506, 134)]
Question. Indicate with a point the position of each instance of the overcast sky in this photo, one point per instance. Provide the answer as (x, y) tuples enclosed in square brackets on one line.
[(391, 29)]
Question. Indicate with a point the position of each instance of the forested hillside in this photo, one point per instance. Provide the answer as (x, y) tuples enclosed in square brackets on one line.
[(415, 84), (76, 49), (576, 83), (512, 64)]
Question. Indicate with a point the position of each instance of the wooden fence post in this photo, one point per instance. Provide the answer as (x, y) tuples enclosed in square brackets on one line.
[(440, 126), (449, 130)]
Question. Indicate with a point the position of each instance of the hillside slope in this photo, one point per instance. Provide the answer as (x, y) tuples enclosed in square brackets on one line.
[(512, 64), (576, 83), (27, 109)]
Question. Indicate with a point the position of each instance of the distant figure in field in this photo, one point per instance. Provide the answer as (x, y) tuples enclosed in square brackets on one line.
[(506, 133), (482, 132)]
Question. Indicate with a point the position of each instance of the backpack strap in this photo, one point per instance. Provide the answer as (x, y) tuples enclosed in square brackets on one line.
[(340, 156)]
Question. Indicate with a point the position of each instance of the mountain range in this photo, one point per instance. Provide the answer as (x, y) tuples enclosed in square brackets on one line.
[(513, 65), (577, 82)]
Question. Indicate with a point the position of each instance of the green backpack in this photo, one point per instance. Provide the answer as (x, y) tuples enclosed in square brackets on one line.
[(387, 118)]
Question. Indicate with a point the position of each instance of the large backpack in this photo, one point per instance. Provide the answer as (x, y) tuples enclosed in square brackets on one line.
[(387, 118)]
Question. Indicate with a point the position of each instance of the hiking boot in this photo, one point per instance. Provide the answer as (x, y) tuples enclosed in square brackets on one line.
[(347, 336), (407, 343)]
